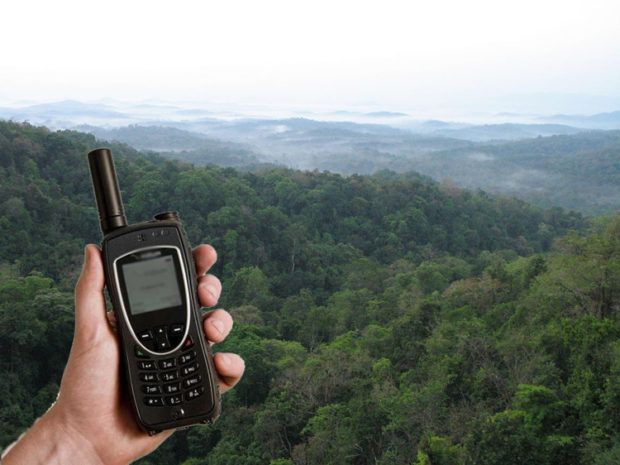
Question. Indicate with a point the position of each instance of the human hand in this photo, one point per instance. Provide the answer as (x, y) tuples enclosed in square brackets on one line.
[(92, 421)]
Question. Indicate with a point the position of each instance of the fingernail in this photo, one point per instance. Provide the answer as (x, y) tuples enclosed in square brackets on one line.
[(225, 359), (218, 325), (86, 258), (211, 290)]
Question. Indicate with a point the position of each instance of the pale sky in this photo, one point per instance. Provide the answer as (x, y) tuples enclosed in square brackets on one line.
[(397, 54)]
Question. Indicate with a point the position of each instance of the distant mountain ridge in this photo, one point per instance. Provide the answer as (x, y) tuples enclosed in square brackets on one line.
[(608, 120), (59, 114), (548, 164), (508, 131), (177, 143), (109, 113), (577, 171)]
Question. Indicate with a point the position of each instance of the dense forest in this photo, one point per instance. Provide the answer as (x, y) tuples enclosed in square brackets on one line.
[(384, 319)]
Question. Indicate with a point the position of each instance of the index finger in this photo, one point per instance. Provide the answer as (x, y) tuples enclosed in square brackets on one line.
[(204, 257)]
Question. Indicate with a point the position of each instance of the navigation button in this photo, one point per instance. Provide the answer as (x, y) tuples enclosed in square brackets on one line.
[(163, 345), (161, 338), (145, 336), (177, 330)]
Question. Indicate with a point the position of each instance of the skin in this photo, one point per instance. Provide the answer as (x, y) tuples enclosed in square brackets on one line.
[(91, 423)]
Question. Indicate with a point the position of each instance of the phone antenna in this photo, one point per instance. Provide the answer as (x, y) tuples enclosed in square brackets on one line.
[(107, 193)]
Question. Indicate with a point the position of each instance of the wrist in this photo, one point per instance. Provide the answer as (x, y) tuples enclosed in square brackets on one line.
[(51, 441)]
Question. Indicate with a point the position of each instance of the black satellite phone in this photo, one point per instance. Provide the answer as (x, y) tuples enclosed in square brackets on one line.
[(151, 280)]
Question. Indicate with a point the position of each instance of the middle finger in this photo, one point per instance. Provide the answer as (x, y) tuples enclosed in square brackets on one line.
[(209, 290)]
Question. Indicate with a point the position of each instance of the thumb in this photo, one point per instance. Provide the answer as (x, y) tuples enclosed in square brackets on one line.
[(90, 312)]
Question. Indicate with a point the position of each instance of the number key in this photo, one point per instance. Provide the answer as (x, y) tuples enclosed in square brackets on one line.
[(151, 389), (174, 400), (187, 357), (147, 365), (172, 388), (166, 364), (189, 382), (148, 377), (169, 375), (189, 369)]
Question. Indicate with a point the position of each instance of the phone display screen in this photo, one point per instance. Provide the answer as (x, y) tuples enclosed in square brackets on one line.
[(152, 285)]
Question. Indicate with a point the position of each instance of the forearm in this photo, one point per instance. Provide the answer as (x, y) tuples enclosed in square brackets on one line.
[(48, 442)]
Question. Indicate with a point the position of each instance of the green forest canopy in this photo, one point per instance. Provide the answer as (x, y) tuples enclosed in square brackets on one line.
[(384, 319)]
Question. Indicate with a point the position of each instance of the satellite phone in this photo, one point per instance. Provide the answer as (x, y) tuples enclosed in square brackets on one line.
[(151, 280)]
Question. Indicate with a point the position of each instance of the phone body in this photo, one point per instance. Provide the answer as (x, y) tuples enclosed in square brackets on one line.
[(151, 280)]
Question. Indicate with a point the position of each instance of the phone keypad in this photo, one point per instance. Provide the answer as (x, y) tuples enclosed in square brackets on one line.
[(170, 381)]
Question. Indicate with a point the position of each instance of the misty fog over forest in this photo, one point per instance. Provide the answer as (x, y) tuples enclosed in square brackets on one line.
[(570, 161)]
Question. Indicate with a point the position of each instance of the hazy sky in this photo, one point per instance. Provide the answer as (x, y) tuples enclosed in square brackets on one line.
[(396, 54)]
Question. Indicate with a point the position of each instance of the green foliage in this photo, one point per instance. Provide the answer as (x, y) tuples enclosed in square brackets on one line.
[(383, 320), (504, 438), (35, 319), (438, 451)]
